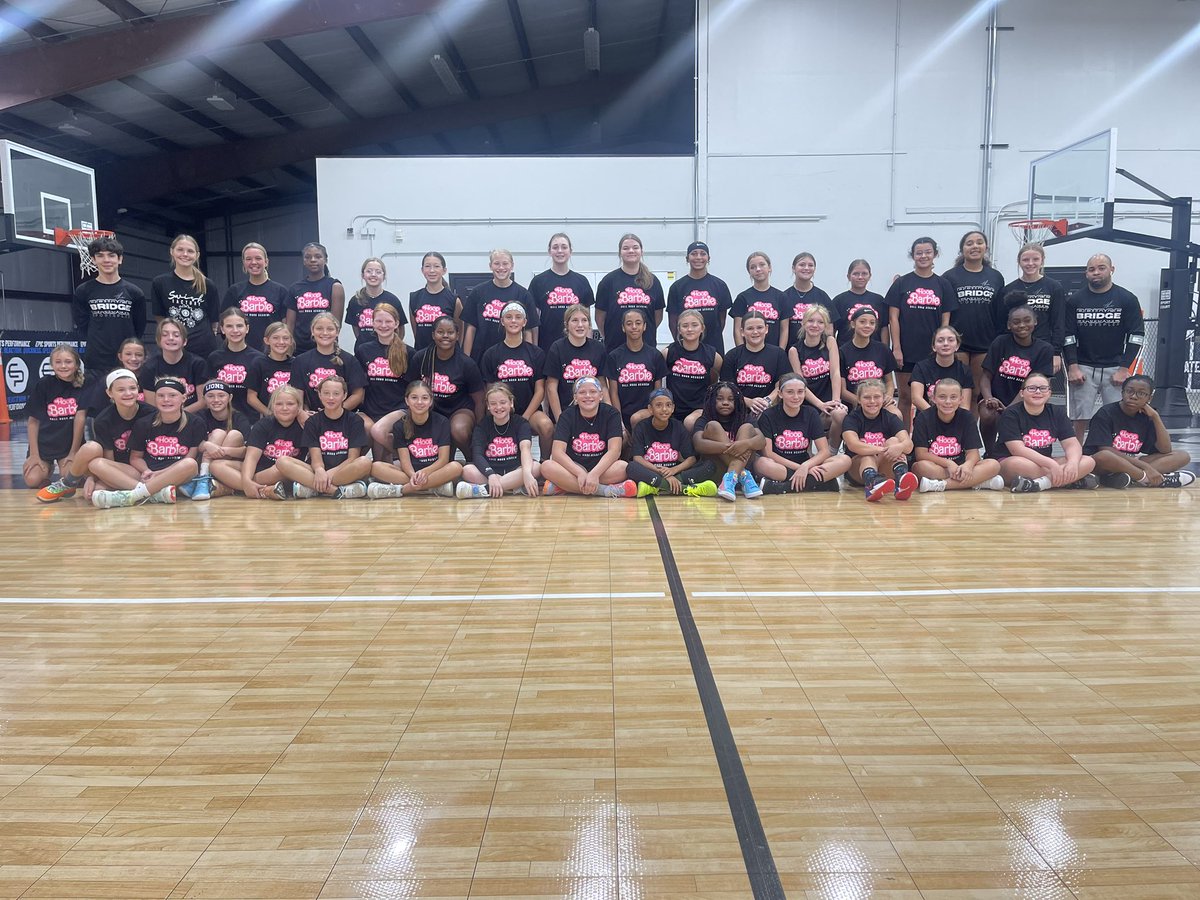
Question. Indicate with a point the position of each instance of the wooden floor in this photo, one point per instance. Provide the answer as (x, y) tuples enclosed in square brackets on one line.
[(960, 697)]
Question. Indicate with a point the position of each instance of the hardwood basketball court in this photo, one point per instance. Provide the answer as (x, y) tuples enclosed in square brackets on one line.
[(964, 696)]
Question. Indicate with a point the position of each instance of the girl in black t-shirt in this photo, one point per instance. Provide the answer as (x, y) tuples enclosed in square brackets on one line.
[(878, 445), (262, 301), (946, 446), (847, 303), (336, 444), (232, 363), (162, 451), (176, 361), (186, 295), (325, 359), (131, 355), (692, 365), (428, 304), (501, 452), (755, 366), (486, 302), (815, 356), (760, 297), (944, 363), (1131, 444), (317, 292), (56, 418), (632, 286), (226, 441), (633, 370), (862, 357), (520, 364), (1029, 430), (387, 364), (360, 310), (273, 371), (424, 454), (556, 291), (796, 456), (1044, 296), (276, 435), (978, 289), (586, 458), (454, 379), (803, 295), (664, 459), (575, 355), (726, 434), (1011, 359)]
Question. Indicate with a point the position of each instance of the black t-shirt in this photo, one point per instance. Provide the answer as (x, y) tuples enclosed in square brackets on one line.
[(635, 372), (771, 303), (859, 364), (1111, 427), (233, 368), (113, 431), (191, 370), (268, 375), (949, 440), (424, 309), (452, 380), (796, 306), (1103, 329), (1048, 301), (165, 443), (312, 367), (980, 315), (755, 372), (275, 441), (308, 299), (428, 439), (499, 448), (483, 308), (921, 302), (846, 304), (1038, 433), (521, 368), (569, 363), (619, 291), (702, 423), (385, 391), (708, 296), (689, 375), (335, 438), (261, 304), (792, 437), (587, 439), (815, 367), (178, 299), (1010, 364), (360, 314), (874, 431), (54, 403), (667, 447), (929, 373), (104, 315), (552, 294), (211, 423)]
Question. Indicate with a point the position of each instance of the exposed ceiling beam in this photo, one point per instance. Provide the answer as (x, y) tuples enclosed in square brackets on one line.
[(127, 11), (31, 25), (514, 13), (82, 107), (456, 60), (245, 93), (134, 181), (44, 71), (371, 52), (173, 103), (50, 140), (315, 81)]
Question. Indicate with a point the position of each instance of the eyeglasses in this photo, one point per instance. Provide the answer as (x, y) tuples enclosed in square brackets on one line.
[(1037, 388), (1139, 395)]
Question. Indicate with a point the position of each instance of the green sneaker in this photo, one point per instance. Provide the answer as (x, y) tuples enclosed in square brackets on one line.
[(703, 489), (646, 490)]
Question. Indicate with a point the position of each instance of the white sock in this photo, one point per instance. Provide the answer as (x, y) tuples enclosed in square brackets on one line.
[(1044, 482), (140, 490), (204, 468)]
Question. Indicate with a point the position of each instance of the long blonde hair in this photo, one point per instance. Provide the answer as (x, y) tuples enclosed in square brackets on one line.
[(199, 282)]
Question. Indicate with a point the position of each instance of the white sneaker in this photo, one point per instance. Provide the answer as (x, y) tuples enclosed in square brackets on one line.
[(380, 491), (1180, 479), (166, 495), (468, 491), (444, 490), (355, 490), (995, 483), (931, 486), (300, 492), (113, 499)]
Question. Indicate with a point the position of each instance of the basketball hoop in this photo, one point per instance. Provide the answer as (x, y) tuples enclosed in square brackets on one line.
[(79, 238), (1038, 231)]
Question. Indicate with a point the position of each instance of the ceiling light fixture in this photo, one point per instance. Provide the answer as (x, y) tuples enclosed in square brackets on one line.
[(221, 98), (73, 128), (446, 75), (591, 50)]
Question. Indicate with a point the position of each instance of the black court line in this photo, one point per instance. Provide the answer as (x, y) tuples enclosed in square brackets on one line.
[(756, 852)]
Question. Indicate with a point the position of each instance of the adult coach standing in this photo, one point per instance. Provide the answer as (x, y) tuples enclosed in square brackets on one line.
[(1105, 333)]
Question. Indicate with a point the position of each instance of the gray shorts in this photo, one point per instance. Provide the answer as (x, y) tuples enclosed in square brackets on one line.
[(1097, 385)]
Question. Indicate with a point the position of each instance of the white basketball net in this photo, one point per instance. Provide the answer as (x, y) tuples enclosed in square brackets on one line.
[(1033, 232), (80, 241)]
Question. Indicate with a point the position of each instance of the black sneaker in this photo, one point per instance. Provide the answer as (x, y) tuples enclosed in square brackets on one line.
[(1088, 482), (1023, 485), (1179, 479), (771, 486), (812, 483), (1116, 480)]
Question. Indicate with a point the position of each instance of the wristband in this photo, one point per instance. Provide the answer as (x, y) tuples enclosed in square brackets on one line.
[(489, 471)]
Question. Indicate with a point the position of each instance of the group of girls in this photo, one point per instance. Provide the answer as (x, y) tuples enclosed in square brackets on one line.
[(807, 376)]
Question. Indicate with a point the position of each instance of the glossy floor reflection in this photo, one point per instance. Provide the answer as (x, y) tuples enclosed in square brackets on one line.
[(978, 696)]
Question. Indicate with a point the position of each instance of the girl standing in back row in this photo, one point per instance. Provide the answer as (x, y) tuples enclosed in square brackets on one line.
[(556, 290), (428, 304), (317, 292), (632, 286), (360, 311), (186, 295), (262, 301)]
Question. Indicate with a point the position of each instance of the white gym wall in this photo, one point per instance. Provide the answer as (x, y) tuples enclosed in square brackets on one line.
[(805, 146)]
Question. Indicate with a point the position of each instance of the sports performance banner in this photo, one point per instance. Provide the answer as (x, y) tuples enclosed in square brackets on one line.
[(26, 358)]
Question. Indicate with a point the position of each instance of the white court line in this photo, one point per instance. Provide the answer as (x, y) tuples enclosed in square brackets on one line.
[(940, 592), (399, 598)]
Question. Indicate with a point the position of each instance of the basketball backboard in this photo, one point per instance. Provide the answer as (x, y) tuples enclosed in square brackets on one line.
[(40, 193), (1075, 182)]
